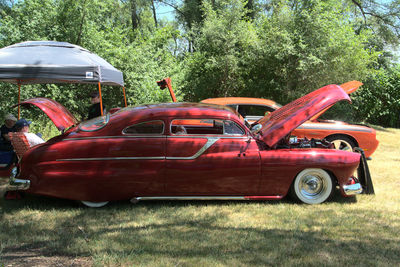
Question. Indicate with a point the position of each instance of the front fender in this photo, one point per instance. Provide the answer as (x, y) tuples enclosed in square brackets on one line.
[(280, 167)]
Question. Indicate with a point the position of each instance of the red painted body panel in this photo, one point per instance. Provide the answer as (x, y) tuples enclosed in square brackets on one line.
[(108, 164), (228, 167)]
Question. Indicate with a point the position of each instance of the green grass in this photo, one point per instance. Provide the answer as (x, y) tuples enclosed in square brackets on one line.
[(343, 232)]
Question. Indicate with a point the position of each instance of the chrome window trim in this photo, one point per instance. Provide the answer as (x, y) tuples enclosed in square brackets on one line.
[(223, 128), (149, 134)]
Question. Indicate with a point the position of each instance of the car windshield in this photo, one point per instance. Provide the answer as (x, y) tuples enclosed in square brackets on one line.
[(95, 123)]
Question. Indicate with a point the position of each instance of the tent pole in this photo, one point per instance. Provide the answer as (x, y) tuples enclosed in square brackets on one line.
[(101, 100), (19, 100), (123, 88), (171, 91)]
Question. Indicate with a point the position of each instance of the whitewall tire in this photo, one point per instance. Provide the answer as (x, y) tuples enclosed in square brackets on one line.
[(312, 186)]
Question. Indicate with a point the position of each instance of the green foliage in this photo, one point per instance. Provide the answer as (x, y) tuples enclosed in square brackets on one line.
[(379, 100), (213, 49), (306, 46), (102, 27), (217, 66)]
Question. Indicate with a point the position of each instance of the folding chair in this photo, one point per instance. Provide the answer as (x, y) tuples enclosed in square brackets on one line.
[(19, 143)]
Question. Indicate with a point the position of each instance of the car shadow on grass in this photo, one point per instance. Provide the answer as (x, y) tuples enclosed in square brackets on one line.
[(43, 203)]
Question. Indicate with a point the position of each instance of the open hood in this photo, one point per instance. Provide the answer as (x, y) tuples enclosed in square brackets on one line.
[(348, 87), (60, 116), (281, 122)]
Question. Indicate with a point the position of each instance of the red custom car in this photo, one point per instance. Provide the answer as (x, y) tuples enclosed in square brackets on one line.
[(189, 151), (343, 135)]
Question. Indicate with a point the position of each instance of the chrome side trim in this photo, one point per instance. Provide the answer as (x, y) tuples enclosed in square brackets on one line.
[(332, 127), (115, 137), (210, 142), (353, 189), (154, 136), (208, 136), (114, 158), (136, 199)]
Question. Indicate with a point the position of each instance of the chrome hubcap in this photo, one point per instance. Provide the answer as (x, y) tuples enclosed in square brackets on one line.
[(311, 186), (342, 145)]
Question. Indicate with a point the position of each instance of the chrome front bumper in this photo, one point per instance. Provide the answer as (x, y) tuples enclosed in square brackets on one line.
[(353, 189), (17, 184)]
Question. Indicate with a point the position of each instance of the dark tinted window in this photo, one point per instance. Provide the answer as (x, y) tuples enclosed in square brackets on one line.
[(148, 127)]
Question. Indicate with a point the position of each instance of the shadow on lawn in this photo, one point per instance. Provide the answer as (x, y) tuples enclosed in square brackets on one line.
[(164, 230), (42, 203)]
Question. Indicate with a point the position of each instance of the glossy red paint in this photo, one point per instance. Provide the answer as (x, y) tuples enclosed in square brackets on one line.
[(284, 120), (117, 161)]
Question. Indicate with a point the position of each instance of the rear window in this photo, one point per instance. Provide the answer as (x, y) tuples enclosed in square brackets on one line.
[(94, 124)]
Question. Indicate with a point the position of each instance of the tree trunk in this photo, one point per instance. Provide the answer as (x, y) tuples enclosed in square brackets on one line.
[(250, 6), (134, 16), (154, 13)]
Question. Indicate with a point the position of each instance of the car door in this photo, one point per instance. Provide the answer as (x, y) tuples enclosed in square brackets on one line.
[(211, 157)]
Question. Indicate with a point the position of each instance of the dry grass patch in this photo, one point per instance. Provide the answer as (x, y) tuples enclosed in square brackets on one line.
[(363, 231)]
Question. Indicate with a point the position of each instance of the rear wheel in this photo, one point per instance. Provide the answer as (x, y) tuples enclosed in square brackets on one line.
[(94, 204), (312, 186), (342, 142)]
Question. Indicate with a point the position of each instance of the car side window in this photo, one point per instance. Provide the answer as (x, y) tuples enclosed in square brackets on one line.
[(205, 127), (232, 128), (147, 127)]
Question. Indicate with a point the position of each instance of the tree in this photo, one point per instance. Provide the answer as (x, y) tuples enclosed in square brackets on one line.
[(223, 41), (305, 45)]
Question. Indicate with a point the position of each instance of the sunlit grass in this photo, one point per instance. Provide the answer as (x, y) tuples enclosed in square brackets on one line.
[(343, 232)]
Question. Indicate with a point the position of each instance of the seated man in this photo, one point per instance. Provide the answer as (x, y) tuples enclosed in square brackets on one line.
[(180, 130), (9, 126), (22, 125)]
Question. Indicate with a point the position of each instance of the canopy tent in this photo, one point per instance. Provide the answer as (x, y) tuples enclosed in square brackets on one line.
[(35, 62)]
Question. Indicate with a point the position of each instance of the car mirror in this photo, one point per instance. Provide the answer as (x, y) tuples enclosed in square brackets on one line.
[(256, 128)]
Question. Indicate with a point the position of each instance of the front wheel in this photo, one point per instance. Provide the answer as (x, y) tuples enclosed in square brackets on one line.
[(312, 186)]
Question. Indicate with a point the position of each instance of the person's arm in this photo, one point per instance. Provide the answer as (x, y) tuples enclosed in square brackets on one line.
[(33, 139)]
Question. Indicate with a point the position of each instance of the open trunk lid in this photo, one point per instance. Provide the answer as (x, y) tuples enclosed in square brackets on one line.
[(60, 116)]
